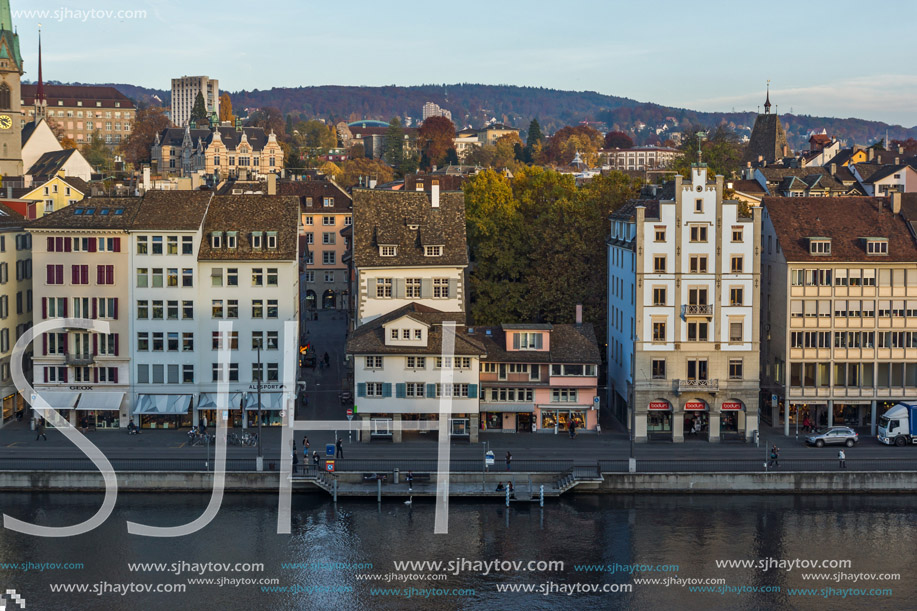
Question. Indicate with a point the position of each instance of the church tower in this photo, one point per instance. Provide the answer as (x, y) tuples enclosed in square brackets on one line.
[(10, 95)]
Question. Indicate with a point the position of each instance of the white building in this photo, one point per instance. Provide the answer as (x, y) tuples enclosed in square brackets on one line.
[(683, 315), (398, 373), (184, 93), (408, 247), (431, 109)]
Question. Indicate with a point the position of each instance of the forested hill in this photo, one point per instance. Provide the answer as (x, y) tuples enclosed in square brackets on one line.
[(475, 104)]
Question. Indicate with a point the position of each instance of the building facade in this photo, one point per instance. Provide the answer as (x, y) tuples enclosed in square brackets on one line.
[(223, 152), (839, 295), (640, 158), (184, 94), (683, 313), (80, 111), (11, 117), (15, 305)]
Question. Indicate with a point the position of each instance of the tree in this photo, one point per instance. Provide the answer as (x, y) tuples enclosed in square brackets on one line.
[(357, 151), (563, 146), (137, 147), (618, 140), (505, 150), (199, 111), (721, 150), (314, 134), (437, 136), (533, 143), (393, 146), (97, 153), (269, 119), (353, 170), (330, 169), (226, 109)]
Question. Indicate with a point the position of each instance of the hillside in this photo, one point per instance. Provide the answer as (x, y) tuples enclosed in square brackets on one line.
[(474, 104)]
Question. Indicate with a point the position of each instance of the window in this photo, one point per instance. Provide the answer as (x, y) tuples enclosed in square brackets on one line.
[(55, 274), (658, 331), (187, 310), (659, 264), (257, 340), (418, 334), (876, 247), (273, 340), (310, 238), (329, 277), (736, 296), (328, 257), (658, 369), (414, 390), (660, 233), (216, 276), (412, 288), (527, 341), (383, 287), (187, 374), (563, 395), (373, 362), (328, 202), (143, 342), (216, 240), (735, 331), (272, 276), (156, 277), (158, 342), (697, 369), (232, 240), (143, 309), (142, 246), (308, 277), (187, 277), (416, 362), (172, 245), (187, 245), (737, 234), (157, 245), (433, 251), (698, 205), (326, 220), (374, 389), (735, 369), (172, 276), (233, 372), (308, 220), (157, 310), (232, 308), (217, 344), (172, 310), (217, 308), (819, 246), (232, 276), (388, 251), (272, 308), (698, 264), (737, 264), (440, 288), (453, 390), (328, 237), (697, 331), (256, 240), (698, 233)]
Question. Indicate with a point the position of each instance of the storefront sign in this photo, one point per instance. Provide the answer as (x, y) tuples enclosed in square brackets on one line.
[(696, 406), (268, 387), (80, 387), (660, 405), (731, 406)]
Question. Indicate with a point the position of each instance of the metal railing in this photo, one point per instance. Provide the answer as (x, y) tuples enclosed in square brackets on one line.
[(699, 310), (79, 359), (684, 385), (125, 464)]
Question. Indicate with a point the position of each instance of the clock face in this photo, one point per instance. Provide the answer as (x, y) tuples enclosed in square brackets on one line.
[(5, 122)]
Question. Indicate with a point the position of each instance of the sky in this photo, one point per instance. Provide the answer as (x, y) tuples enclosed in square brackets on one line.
[(822, 58)]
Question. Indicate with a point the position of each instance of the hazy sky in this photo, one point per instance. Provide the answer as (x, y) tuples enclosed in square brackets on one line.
[(839, 58)]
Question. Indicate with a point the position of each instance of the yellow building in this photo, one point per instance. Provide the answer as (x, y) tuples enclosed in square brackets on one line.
[(59, 192)]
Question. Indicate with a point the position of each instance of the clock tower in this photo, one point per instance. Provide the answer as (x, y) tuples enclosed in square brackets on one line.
[(10, 95)]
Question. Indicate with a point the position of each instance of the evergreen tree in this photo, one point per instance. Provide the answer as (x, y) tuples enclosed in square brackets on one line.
[(393, 147), (533, 142), (199, 111)]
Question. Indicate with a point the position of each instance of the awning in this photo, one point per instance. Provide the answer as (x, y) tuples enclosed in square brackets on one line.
[(507, 407), (208, 400), (100, 401), (57, 400), (163, 404), (272, 401)]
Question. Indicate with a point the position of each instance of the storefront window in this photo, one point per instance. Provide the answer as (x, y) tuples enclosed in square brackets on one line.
[(492, 420), (101, 419), (562, 418), (729, 423), (156, 421), (659, 422), (209, 417)]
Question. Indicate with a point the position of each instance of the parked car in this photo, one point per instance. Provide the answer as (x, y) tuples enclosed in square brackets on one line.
[(837, 435)]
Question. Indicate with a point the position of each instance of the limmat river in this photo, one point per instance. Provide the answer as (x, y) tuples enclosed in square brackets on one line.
[(343, 556)]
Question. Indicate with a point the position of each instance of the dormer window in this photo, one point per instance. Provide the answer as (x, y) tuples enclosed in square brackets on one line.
[(216, 240), (256, 240), (433, 251), (272, 240), (820, 246), (328, 202), (876, 246), (232, 240), (388, 251), (308, 202), (527, 341)]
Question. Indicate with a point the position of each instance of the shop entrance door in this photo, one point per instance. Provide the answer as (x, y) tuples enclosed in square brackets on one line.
[(524, 423)]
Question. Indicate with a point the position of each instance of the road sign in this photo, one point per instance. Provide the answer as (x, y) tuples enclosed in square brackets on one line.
[(350, 417), (489, 457), (329, 466), (329, 450), (350, 412), (595, 402), (773, 400)]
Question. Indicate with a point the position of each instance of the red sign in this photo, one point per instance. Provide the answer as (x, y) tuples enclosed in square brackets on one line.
[(660, 405), (696, 406), (329, 466), (731, 405), (350, 412)]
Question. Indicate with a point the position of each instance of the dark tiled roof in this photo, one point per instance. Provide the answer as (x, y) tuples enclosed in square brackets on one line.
[(842, 157), (104, 214), (866, 170), (49, 164), (909, 209), (318, 190), (370, 337), (751, 187), (447, 182), (27, 130), (174, 136), (767, 140), (884, 172), (70, 94), (172, 210), (628, 212), (9, 218), (846, 220), (77, 183), (383, 217), (568, 344), (245, 214)]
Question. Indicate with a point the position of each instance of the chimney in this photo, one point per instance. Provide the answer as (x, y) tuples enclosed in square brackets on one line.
[(434, 193), (832, 167), (579, 315), (372, 183), (900, 150), (870, 153), (272, 184), (146, 179), (896, 202)]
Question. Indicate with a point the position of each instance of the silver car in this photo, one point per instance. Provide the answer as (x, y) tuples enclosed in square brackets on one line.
[(836, 435)]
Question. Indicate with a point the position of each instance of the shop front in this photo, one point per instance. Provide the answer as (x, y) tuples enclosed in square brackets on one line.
[(558, 419), (271, 412), (206, 409), (506, 417), (460, 426), (659, 421), (100, 410), (62, 401), (732, 420), (697, 420), (12, 405), (163, 411)]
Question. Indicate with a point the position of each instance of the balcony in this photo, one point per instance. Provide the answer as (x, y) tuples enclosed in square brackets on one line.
[(702, 385), (698, 310), (79, 360)]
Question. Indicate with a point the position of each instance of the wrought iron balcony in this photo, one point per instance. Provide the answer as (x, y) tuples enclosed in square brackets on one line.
[(79, 359), (704, 385), (699, 310)]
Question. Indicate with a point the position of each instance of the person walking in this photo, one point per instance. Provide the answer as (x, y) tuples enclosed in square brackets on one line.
[(509, 460), (305, 450), (40, 430), (841, 460), (410, 479), (315, 461), (340, 449), (775, 456), (327, 359), (295, 460)]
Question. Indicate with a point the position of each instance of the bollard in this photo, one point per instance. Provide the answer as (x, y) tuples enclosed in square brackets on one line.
[(379, 490), (507, 496), (395, 476), (335, 487), (541, 495)]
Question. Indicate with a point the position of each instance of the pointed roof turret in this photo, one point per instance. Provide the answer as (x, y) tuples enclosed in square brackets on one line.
[(767, 100), (9, 39)]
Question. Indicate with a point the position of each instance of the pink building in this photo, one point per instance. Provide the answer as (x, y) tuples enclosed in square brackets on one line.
[(538, 377)]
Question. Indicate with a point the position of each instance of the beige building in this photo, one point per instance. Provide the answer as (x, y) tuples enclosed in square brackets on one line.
[(839, 314), (228, 152), (15, 304), (184, 93), (79, 111), (640, 158)]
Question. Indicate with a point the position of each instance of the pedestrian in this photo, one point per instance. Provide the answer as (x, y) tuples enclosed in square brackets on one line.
[(775, 456), (841, 459), (340, 449), (534, 426), (40, 430), (598, 428), (509, 460), (327, 359), (295, 460), (305, 444), (19, 415), (84, 423), (315, 460), (410, 479)]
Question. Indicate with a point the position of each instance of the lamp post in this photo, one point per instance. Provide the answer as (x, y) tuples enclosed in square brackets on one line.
[(260, 461)]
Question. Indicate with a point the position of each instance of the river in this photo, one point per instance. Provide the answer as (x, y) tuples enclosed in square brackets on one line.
[(333, 549)]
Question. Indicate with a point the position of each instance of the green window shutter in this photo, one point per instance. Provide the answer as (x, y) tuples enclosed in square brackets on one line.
[(400, 390), (472, 391), (386, 389), (431, 391), (361, 389)]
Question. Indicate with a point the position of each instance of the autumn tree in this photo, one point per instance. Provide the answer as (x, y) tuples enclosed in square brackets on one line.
[(563, 146), (226, 109), (269, 119), (505, 150), (315, 134), (330, 169), (618, 140), (436, 136), (199, 110), (721, 150), (97, 153), (353, 170), (533, 142), (148, 122)]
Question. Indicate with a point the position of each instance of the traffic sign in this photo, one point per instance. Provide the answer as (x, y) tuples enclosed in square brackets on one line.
[(329, 450), (773, 400), (350, 412), (350, 417), (595, 402), (329, 466), (489, 457)]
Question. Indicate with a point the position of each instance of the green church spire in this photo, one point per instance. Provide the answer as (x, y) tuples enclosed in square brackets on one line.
[(9, 40), (6, 16)]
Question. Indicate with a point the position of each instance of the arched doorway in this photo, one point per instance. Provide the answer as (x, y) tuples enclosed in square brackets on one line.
[(697, 419), (311, 299), (732, 420), (328, 300)]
